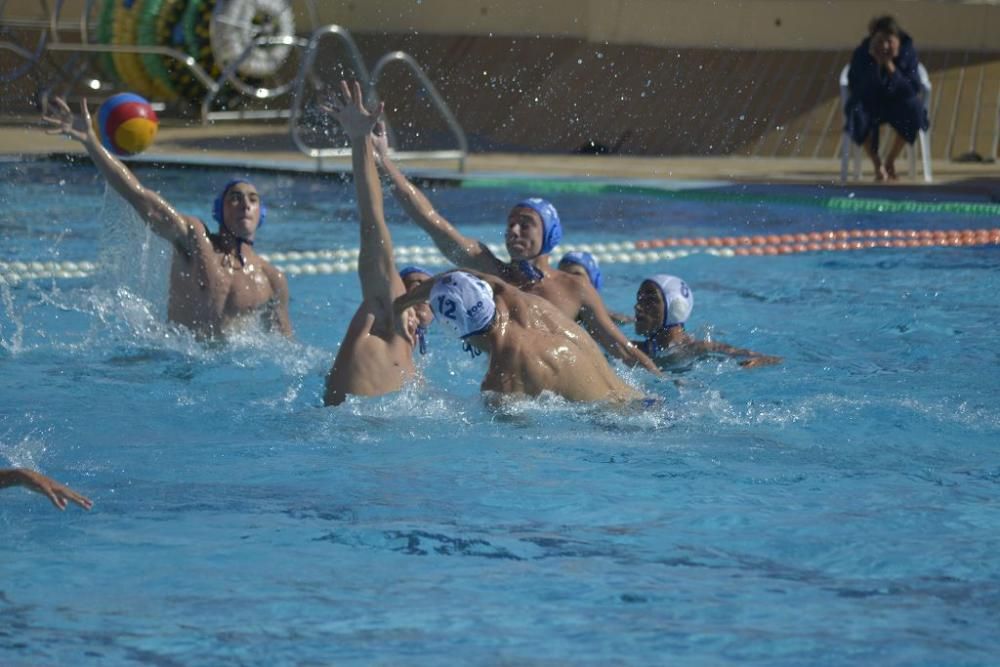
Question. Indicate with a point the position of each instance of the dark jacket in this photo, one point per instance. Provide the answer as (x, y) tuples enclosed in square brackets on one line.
[(875, 89)]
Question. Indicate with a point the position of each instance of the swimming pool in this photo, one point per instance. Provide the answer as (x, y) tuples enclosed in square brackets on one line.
[(841, 508)]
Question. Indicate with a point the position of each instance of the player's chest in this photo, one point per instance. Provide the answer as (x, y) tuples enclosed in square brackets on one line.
[(241, 286)]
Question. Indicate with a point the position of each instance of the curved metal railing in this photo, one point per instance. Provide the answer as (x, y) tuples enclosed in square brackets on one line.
[(463, 146), (369, 85), (305, 71), (49, 26)]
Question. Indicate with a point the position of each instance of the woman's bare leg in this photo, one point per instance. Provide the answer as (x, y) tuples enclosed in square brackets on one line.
[(869, 146), (890, 160)]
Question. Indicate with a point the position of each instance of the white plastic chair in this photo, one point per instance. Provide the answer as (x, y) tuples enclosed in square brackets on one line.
[(850, 151)]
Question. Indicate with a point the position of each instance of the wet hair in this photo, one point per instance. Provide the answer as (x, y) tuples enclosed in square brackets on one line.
[(413, 268), (884, 24), (217, 205)]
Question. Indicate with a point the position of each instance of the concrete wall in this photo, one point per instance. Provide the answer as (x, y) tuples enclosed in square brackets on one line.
[(640, 77), (740, 24)]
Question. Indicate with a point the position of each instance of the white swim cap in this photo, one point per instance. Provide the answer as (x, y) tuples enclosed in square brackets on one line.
[(464, 302), (678, 301)]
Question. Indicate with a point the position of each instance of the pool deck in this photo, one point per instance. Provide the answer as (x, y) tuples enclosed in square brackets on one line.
[(268, 146)]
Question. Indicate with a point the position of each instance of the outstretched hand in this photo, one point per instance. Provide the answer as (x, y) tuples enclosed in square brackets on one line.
[(349, 110), (61, 120), (59, 494)]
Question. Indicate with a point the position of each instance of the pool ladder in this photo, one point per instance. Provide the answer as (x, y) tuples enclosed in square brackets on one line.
[(369, 83)]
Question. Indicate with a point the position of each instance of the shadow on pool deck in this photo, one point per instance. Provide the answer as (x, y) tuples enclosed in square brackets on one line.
[(269, 146)]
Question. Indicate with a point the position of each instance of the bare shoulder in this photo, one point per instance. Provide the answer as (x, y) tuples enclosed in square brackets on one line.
[(490, 263), (496, 282), (274, 275), (197, 236), (580, 286), (572, 281)]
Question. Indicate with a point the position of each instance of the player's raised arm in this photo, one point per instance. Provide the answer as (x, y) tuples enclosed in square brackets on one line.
[(380, 283), (163, 219), (597, 321), (460, 250)]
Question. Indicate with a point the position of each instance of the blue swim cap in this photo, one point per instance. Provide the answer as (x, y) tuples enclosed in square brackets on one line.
[(413, 268), (551, 227), (588, 262), (217, 204)]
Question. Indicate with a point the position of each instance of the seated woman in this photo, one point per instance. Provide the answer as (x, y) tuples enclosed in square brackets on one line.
[(884, 88)]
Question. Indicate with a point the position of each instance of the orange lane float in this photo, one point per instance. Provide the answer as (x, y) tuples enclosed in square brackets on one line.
[(835, 239)]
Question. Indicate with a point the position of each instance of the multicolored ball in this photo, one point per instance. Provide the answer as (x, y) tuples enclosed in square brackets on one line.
[(127, 124)]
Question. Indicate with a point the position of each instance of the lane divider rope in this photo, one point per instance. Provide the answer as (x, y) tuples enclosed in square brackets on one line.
[(344, 260)]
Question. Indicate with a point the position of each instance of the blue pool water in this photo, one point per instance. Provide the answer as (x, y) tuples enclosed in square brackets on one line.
[(839, 509)]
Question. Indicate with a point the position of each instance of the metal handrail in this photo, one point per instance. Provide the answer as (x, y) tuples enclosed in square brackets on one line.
[(368, 83), (185, 59), (85, 20), (213, 86), (19, 50), (229, 73), (436, 99), (37, 24), (30, 57), (305, 69), (50, 26)]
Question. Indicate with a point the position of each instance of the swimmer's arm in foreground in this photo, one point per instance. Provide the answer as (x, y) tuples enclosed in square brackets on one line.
[(59, 494), (751, 359), (184, 232), (458, 248), (419, 294), (597, 321), (422, 292)]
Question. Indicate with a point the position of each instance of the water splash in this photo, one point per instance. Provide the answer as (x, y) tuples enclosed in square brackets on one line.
[(25, 451), (131, 255), (14, 341)]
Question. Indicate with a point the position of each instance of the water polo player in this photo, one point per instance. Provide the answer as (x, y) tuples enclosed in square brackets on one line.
[(585, 265), (373, 359), (533, 231), (663, 304), (215, 279), (532, 346), (412, 276)]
